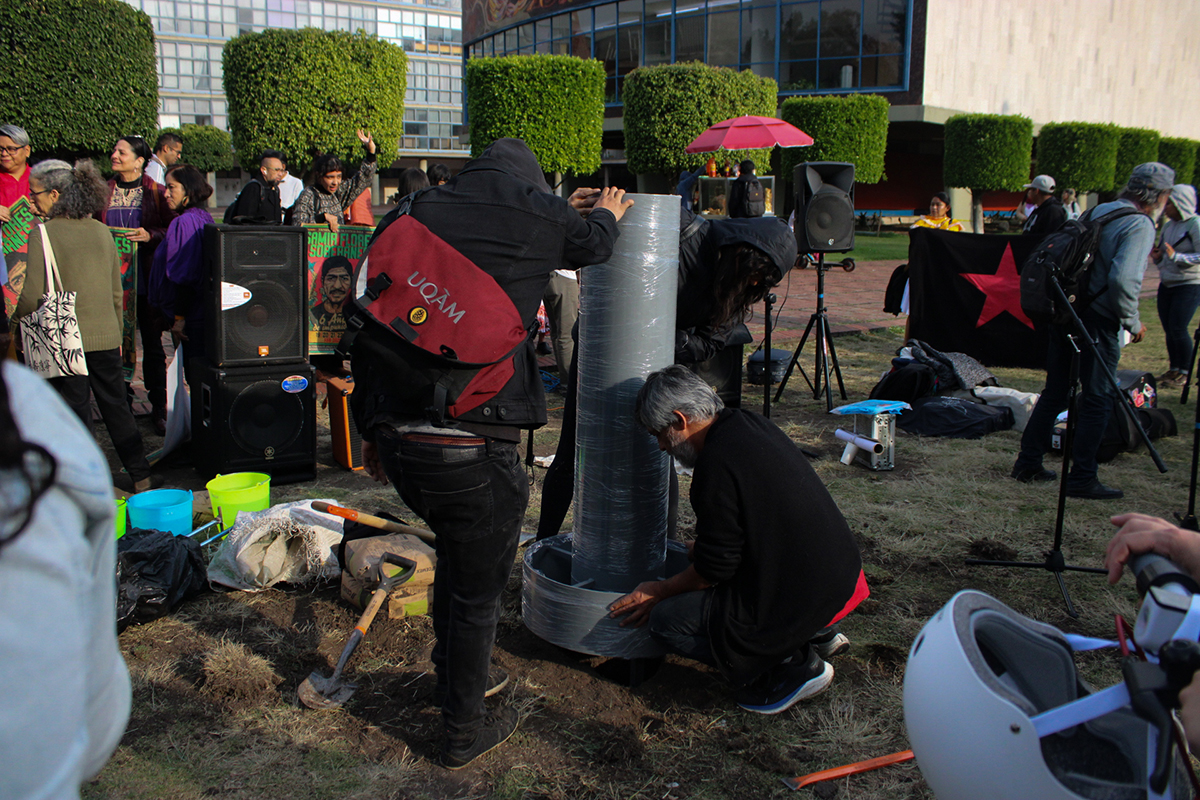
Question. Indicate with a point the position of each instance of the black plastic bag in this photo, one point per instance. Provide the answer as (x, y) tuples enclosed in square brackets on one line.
[(156, 571)]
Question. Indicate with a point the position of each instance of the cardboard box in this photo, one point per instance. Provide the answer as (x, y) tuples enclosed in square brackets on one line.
[(363, 554), (403, 602)]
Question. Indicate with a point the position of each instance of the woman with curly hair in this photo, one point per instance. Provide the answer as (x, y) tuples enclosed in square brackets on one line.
[(324, 201), (89, 265)]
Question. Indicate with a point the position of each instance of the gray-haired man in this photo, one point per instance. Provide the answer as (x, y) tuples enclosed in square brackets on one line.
[(774, 564)]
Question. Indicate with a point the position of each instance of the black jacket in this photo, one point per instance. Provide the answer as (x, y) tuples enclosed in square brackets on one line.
[(735, 204), (771, 539), (1046, 218), (256, 204), (698, 336), (499, 213)]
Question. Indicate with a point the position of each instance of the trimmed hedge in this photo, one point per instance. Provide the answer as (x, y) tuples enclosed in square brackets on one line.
[(1179, 155), (554, 103), (305, 92), (669, 105), (987, 152), (1136, 146), (80, 74), (207, 148), (1079, 155), (851, 129)]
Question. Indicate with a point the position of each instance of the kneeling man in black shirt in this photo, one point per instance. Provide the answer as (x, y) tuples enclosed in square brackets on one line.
[(774, 564)]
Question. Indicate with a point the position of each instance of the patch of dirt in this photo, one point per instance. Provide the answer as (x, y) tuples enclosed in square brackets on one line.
[(238, 677), (991, 550)]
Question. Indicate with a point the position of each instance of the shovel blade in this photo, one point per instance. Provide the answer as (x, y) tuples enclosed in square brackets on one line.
[(324, 694)]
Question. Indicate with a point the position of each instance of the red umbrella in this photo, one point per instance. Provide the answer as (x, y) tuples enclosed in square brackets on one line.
[(749, 133)]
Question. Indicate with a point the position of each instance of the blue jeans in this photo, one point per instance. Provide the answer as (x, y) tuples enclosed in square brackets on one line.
[(1093, 405), (1176, 305), (680, 624), (474, 498)]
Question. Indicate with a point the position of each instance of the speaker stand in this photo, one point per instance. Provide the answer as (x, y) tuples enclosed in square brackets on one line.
[(826, 358), (768, 301)]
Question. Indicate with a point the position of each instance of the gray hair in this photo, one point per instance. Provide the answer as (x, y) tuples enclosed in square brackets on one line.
[(82, 193), (16, 133), (675, 388), (1145, 196)]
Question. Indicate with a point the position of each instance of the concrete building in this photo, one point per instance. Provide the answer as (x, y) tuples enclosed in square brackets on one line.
[(191, 35), (1126, 62)]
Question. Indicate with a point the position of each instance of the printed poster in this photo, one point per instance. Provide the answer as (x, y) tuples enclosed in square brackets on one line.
[(127, 250), (332, 257), (15, 235)]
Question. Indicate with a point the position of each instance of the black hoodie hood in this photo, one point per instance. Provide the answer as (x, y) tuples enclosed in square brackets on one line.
[(771, 235), (512, 157)]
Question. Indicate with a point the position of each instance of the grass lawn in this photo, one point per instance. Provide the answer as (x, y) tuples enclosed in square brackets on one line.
[(887, 246)]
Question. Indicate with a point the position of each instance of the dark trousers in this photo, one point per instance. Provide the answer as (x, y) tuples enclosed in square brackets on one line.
[(1176, 306), (558, 487), (680, 624), (154, 357), (1093, 405), (106, 380), (474, 498)]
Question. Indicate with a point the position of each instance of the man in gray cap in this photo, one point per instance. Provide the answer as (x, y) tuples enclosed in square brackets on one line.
[(1050, 214), (1116, 280)]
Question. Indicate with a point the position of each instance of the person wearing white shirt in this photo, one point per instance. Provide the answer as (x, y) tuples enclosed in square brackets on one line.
[(167, 152)]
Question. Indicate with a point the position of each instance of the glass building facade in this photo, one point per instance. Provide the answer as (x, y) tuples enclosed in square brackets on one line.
[(813, 46), (191, 36)]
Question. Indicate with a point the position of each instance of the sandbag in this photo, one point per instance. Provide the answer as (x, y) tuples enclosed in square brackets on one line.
[(156, 571), (954, 418), (1020, 403), (288, 543)]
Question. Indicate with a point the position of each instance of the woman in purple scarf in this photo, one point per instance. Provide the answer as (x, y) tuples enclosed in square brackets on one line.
[(176, 278)]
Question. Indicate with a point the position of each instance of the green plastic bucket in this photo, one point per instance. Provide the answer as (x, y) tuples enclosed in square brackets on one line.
[(238, 491), (120, 518)]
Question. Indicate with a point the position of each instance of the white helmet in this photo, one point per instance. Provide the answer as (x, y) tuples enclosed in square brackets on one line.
[(976, 674)]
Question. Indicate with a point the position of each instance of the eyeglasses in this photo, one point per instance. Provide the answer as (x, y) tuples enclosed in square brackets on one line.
[(44, 191), (10, 151)]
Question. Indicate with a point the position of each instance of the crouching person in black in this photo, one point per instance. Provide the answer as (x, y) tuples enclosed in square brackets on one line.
[(460, 471), (774, 564)]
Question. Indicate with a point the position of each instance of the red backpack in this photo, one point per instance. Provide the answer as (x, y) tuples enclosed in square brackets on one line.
[(442, 328)]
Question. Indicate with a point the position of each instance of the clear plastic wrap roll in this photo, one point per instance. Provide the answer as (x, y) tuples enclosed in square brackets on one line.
[(626, 331)]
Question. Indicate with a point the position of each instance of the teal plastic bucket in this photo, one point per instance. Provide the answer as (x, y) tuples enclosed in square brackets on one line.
[(162, 510), (119, 520), (238, 491)]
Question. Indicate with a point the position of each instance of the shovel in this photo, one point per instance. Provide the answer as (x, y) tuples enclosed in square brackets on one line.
[(372, 521), (329, 693)]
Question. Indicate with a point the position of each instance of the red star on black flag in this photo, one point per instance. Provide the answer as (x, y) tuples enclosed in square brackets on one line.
[(1003, 290)]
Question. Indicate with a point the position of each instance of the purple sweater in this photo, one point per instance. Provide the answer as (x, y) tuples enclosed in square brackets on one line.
[(178, 271)]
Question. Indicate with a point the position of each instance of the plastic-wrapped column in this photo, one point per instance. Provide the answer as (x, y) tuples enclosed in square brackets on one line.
[(626, 331)]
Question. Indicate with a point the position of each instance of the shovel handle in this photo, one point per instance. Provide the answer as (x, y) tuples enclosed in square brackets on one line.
[(848, 769), (372, 521)]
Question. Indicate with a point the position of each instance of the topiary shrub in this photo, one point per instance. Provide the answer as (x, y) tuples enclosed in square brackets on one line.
[(80, 74), (207, 148), (305, 92), (1136, 146), (987, 152), (1179, 155), (852, 129), (669, 105), (554, 103), (1079, 155)]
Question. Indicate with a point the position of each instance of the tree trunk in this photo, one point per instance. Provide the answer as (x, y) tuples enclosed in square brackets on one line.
[(212, 181), (977, 210)]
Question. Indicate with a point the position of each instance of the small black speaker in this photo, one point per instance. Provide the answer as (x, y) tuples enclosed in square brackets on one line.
[(723, 372), (255, 419), (256, 294), (824, 207)]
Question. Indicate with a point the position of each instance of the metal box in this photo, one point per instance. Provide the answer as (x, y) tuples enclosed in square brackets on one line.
[(881, 428)]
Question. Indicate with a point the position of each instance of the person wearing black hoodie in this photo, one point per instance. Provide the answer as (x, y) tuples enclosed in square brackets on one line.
[(464, 477), (725, 266), (1050, 214)]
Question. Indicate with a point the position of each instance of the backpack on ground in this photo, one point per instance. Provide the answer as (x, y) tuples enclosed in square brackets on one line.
[(908, 381), (954, 418), (1068, 254), (440, 327), (755, 202)]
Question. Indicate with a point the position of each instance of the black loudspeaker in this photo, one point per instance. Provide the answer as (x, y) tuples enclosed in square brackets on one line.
[(255, 419), (256, 294), (824, 207), (723, 372)]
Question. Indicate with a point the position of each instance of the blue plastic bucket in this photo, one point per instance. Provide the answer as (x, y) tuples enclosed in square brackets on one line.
[(162, 510)]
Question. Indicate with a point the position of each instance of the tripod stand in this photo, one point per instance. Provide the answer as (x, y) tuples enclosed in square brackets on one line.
[(1055, 562), (1188, 518), (826, 355)]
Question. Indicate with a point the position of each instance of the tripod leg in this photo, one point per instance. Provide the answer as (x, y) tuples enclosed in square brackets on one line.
[(1062, 587), (795, 357), (1183, 398), (837, 369), (1188, 521)]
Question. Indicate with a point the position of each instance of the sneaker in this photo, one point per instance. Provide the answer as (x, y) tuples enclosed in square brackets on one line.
[(829, 642), (787, 685), (1094, 491), (497, 727), (497, 680), (1037, 474), (1172, 378)]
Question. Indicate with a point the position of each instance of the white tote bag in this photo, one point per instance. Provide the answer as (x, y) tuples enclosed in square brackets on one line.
[(50, 335)]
